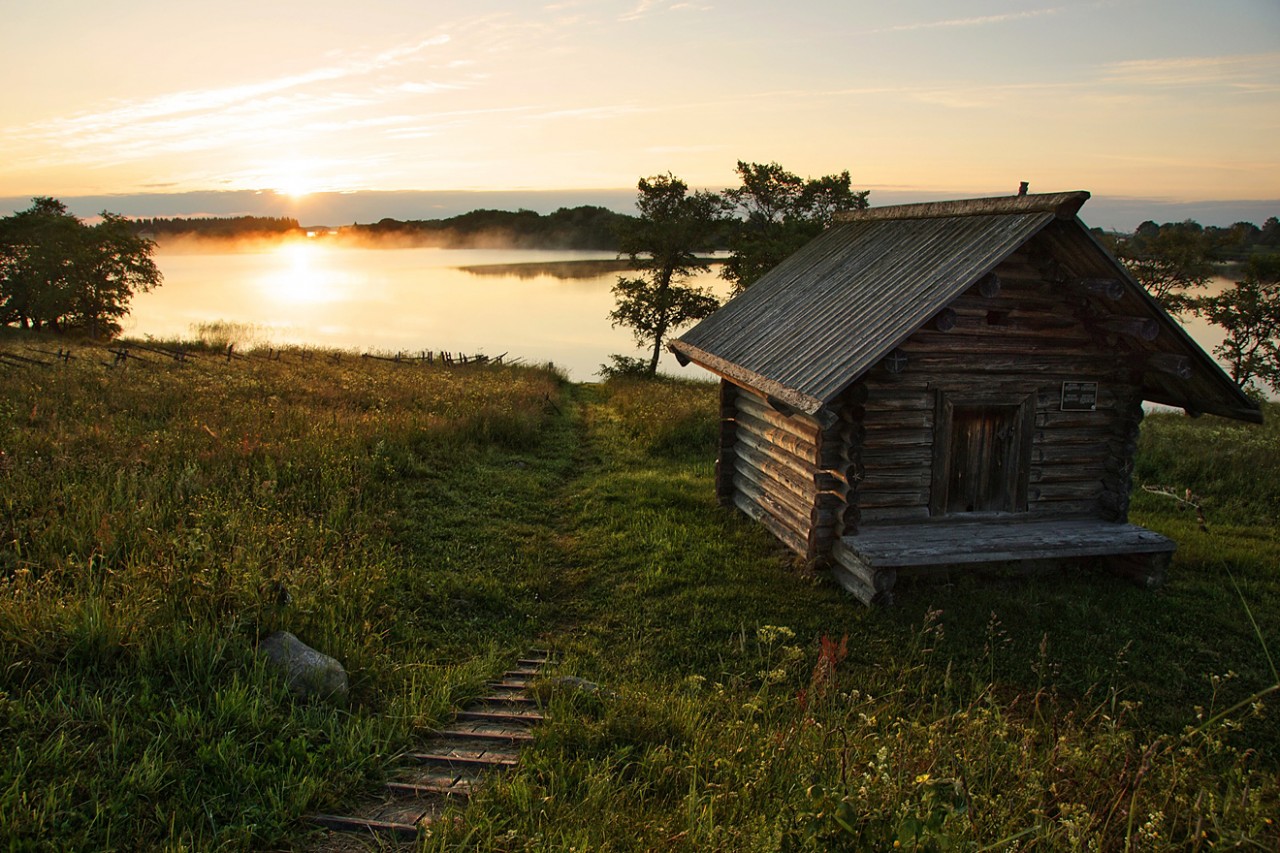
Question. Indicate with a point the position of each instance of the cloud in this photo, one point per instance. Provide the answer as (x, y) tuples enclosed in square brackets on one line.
[(643, 8), (1259, 72), (259, 112), (981, 21)]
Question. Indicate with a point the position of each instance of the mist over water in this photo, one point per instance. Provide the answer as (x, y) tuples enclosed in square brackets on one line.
[(316, 293)]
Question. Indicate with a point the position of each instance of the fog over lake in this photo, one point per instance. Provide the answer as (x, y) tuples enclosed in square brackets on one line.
[(316, 293), (319, 294)]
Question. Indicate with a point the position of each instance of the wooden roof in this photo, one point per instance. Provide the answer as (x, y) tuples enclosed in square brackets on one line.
[(815, 323)]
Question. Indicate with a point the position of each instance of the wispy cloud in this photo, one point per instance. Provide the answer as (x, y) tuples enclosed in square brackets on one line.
[(1249, 72), (980, 21), (644, 8), (263, 111)]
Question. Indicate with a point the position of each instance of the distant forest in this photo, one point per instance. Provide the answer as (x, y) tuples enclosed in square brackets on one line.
[(1214, 244), (594, 227), (217, 228), (583, 227)]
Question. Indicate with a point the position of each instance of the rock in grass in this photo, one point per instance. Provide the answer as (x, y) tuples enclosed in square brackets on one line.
[(306, 671)]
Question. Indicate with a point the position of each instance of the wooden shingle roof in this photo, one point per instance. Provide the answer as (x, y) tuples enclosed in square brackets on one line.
[(814, 324)]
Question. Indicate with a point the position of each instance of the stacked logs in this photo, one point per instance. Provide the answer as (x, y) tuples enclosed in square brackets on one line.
[(778, 469)]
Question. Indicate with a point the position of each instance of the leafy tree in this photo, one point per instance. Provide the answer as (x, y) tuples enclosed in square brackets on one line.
[(1270, 235), (663, 243), (1169, 260), (778, 213), (56, 271), (117, 264), (1250, 313)]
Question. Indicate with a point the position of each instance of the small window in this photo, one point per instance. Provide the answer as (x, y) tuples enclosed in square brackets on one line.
[(981, 455)]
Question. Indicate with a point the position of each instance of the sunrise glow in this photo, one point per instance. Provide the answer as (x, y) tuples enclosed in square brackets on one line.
[(1170, 100)]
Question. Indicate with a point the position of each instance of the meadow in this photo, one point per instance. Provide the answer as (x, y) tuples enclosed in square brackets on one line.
[(424, 525)]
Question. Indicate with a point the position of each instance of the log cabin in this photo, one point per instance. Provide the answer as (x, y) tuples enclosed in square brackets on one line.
[(949, 386)]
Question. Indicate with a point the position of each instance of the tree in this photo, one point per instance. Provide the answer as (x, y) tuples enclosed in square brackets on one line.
[(1250, 313), (1169, 260), (663, 244), (117, 264), (1270, 236), (56, 271), (778, 212)]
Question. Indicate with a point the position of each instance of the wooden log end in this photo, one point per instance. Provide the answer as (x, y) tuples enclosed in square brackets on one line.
[(945, 320)]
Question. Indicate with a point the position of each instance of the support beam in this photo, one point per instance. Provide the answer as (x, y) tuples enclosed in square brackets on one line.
[(1170, 363), (1143, 328), (1110, 288)]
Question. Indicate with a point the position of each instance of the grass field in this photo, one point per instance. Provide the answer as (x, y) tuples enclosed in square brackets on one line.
[(425, 525)]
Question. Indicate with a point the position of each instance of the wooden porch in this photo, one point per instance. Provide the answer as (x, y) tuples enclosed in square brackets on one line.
[(867, 564)]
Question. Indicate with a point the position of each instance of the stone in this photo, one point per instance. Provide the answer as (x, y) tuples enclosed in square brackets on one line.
[(306, 671)]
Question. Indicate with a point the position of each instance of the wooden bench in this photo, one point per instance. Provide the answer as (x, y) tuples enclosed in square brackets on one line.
[(867, 564)]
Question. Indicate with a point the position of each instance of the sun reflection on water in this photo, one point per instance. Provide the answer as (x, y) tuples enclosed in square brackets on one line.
[(300, 275)]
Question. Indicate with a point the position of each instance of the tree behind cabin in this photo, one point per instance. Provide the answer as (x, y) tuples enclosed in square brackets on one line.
[(1249, 311), (778, 212), (663, 244)]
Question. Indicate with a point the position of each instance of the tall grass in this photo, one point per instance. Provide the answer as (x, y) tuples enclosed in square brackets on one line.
[(157, 520), (759, 708), (423, 525)]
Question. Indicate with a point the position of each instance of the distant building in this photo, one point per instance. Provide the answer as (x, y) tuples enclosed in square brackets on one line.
[(934, 386)]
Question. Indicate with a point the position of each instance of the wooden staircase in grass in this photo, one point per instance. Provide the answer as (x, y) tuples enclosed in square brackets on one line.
[(485, 736)]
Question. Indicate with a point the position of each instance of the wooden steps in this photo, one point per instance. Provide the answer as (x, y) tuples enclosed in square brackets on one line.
[(485, 737)]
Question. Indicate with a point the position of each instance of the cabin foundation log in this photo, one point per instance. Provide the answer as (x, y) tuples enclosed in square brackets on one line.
[(871, 586), (1149, 571)]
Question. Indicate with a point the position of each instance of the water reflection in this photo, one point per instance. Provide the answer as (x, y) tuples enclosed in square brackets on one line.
[(536, 305), (303, 276), (318, 294)]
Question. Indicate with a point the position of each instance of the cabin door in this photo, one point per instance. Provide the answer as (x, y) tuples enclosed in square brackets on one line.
[(981, 456)]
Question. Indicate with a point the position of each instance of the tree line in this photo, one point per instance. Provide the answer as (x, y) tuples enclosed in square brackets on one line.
[(584, 227), (217, 227), (61, 273)]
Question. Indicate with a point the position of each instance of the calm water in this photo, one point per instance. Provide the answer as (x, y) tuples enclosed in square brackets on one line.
[(409, 300), (395, 299)]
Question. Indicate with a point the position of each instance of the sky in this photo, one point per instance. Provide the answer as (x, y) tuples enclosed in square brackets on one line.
[(245, 106)]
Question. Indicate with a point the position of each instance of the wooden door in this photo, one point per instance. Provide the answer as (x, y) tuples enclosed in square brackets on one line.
[(981, 456)]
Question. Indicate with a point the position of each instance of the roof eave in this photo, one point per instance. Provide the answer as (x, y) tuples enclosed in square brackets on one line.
[(739, 375)]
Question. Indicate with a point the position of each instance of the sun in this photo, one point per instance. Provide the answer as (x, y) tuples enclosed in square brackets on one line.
[(295, 186), (296, 179)]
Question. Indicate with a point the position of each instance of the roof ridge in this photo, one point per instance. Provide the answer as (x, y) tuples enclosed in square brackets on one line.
[(1063, 205)]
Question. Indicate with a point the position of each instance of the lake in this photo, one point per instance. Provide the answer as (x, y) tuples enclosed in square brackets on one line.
[(316, 293), (471, 301)]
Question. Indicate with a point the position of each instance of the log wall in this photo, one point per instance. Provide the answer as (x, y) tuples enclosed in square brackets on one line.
[(1025, 339), (771, 468)]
